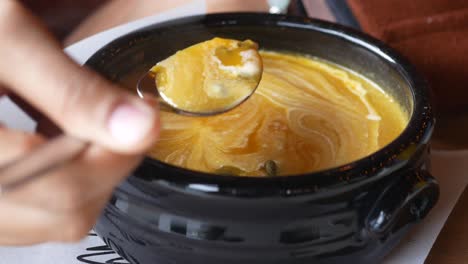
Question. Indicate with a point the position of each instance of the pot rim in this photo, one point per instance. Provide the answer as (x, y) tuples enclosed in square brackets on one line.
[(417, 131)]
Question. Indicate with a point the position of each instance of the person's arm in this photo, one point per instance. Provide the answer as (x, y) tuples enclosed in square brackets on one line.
[(120, 127), (118, 12)]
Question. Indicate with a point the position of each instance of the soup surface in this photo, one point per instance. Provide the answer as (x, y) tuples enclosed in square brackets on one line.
[(211, 76), (306, 115)]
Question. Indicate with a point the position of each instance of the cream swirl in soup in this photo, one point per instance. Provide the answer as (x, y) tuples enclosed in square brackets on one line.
[(306, 115)]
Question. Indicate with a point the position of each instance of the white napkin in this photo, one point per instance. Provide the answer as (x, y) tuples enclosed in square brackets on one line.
[(448, 167)]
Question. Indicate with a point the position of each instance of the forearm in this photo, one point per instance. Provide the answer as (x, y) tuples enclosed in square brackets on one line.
[(117, 12)]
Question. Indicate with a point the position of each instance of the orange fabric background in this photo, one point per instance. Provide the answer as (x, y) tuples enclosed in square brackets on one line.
[(432, 34)]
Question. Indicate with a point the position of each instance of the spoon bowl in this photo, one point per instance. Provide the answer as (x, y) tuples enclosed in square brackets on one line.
[(208, 78), (146, 87)]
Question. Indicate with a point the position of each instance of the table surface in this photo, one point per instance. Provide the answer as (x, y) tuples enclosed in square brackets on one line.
[(449, 167), (452, 244)]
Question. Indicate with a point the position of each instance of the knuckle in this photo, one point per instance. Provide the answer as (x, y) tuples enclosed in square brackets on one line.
[(9, 10), (27, 143), (9, 6), (84, 100), (16, 143)]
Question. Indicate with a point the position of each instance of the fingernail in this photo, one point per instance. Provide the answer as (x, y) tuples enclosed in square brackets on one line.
[(129, 124)]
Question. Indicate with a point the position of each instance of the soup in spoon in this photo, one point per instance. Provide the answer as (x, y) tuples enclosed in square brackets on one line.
[(210, 77)]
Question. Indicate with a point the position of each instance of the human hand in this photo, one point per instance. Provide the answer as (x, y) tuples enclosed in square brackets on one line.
[(64, 204)]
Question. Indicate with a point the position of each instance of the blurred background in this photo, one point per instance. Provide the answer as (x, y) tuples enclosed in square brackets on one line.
[(432, 34)]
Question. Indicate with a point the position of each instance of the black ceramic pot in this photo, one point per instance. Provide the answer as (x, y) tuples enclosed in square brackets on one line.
[(355, 213)]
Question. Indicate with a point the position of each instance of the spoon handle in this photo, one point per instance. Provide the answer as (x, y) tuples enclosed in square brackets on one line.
[(44, 159)]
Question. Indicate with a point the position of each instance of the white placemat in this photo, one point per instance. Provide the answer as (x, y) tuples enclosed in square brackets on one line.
[(448, 167)]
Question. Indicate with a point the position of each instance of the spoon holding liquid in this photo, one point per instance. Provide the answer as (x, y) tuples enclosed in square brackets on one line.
[(207, 78)]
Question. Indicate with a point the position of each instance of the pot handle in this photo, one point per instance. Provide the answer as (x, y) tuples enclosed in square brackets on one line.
[(408, 199)]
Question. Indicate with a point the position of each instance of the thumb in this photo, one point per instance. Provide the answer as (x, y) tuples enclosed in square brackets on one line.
[(81, 102)]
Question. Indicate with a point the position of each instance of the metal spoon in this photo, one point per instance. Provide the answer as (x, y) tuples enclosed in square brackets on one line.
[(278, 6), (204, 79), (146, 86)]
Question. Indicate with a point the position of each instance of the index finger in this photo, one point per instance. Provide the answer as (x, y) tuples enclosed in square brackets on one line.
[(81, 102)]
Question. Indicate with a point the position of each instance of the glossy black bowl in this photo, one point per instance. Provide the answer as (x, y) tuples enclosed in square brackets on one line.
[(355, 213)]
